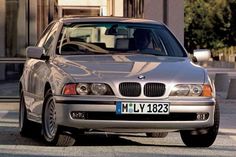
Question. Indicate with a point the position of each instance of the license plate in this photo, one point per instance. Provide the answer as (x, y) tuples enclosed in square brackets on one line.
[(142, 108)]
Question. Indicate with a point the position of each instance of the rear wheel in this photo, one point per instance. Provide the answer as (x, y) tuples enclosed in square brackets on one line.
[(157, 134), (27, 127), (202, 137), (52, 133)]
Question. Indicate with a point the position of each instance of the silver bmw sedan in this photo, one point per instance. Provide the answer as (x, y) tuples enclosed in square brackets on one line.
[(115, 75)]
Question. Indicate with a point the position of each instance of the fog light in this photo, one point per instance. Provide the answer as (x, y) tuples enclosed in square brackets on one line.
[(77, 115), (202, 116)]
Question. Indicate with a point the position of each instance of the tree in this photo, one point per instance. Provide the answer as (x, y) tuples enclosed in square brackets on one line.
[(209, 24)]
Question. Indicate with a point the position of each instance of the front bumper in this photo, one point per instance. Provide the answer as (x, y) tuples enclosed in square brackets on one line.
[(66, 105)]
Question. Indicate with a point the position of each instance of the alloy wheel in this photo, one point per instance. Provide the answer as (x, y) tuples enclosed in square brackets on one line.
[(50, 119)]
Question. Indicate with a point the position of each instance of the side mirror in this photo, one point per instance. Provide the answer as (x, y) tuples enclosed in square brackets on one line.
[(35, 52), (200, 55)]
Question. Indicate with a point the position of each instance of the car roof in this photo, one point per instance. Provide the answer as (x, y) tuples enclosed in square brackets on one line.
[(76, 19)]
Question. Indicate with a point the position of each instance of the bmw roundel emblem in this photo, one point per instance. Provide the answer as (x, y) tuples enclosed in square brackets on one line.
[(141, 77)]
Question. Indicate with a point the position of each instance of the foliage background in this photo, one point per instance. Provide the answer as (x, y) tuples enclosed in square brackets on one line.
[(209, 24)]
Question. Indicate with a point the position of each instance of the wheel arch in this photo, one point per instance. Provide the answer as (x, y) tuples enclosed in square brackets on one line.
[(46, 88)]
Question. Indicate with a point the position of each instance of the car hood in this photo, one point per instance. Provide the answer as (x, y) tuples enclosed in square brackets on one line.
[(105, 68)]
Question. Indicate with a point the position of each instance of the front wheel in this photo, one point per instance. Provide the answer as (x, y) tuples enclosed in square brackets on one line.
[(52, 133), (203, 137)]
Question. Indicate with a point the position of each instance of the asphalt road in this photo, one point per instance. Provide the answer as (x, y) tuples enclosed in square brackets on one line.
[(117, 145)]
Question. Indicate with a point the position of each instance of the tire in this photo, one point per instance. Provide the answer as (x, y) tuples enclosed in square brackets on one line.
[(202, 137), (27, 127), (157, 134), (52, 133)]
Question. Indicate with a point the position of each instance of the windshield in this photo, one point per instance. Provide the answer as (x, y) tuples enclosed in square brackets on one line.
[(116, 38)]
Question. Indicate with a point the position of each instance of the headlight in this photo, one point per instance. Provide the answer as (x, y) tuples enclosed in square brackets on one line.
[(180, 90), (195, 90), (98, 88), (192, 90), (83, 89), (87, 89)]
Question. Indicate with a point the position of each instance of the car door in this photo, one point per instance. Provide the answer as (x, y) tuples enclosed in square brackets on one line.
[(39, 72)]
